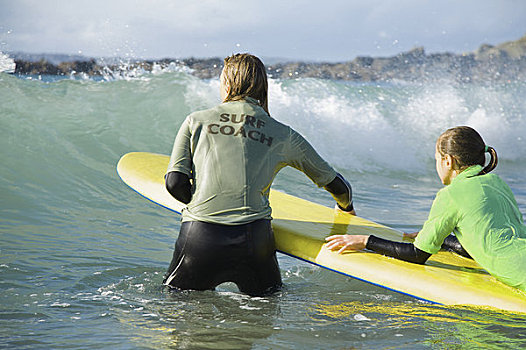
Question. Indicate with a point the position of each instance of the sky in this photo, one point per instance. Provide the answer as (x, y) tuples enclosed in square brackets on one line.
[(327, 30)]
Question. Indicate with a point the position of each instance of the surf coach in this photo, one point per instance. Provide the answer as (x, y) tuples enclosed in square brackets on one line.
[(222, 165)]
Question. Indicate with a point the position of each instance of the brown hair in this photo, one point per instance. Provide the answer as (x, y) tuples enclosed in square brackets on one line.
[(466, 146), (247, 77)]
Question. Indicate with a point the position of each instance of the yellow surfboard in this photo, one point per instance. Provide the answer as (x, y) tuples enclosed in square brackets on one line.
[(300, 228)]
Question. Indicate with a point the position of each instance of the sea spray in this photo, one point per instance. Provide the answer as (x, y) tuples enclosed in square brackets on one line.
[(366, 127)]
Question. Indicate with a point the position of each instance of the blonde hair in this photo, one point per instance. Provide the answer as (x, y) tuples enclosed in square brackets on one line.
[(246, 76), (467, 147)]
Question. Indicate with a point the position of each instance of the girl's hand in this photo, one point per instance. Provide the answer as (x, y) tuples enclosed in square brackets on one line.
[(410, 235), (346, 242)]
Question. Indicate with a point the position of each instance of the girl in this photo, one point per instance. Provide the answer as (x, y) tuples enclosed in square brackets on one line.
[(223, 162), (478, 207)]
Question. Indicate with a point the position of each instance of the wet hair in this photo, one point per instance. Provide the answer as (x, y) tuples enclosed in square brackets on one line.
[(247, 77), (466, 146)]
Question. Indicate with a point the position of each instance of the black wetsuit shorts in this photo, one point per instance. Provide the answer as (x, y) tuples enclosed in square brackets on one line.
[(207, 255)]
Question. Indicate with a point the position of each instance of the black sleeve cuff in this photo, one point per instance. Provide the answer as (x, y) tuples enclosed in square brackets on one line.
[(179, 186), (349, 208)]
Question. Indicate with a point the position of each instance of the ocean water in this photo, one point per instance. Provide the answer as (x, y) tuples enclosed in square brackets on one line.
[(82, 256)]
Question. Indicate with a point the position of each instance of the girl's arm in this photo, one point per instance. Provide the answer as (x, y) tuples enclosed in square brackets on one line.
[(402, 251), (452, 244)]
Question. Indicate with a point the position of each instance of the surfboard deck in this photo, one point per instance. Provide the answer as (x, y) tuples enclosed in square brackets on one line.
[(300, 228)]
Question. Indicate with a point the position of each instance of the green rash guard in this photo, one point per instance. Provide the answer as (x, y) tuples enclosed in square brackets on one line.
[(482, 212), (232, 153)]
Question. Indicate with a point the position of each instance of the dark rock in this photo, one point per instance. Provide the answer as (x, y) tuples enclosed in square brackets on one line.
[(504, 62), (34, 68)]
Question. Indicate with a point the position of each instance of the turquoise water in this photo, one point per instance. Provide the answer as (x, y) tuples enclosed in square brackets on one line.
[(82, 256)]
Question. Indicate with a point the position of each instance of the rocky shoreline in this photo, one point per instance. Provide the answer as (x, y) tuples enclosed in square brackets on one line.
[(503, 63)]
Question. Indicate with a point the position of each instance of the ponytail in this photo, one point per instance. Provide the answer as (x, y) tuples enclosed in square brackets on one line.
[(467, 147), (492, 162)]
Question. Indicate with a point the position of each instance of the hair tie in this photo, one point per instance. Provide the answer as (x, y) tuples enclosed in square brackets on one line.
[(486, 149)]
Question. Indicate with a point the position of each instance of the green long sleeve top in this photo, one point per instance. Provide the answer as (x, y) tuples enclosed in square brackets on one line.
[(483, 213)]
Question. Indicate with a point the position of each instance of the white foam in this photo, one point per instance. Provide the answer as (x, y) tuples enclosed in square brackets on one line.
[(395, 127), (360, 317), (7, 64), (57, 304)]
